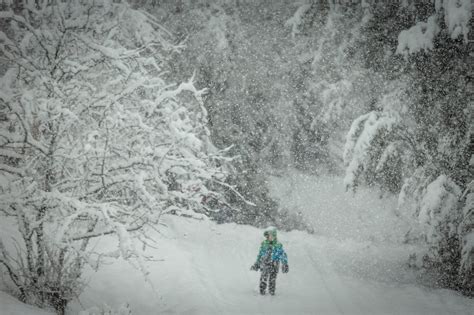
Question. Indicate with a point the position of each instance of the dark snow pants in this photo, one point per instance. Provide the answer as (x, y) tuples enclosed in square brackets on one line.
[(268, 275)]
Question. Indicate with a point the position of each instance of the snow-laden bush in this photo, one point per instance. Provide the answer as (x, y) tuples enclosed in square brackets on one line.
[(440, 215), (93, 139), (374, 145), (447, 216), (466, 232), (439, 210)]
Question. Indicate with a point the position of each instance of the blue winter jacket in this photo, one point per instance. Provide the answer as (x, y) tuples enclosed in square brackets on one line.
[(278, 253)]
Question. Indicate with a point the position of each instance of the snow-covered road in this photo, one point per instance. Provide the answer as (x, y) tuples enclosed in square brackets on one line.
[(205, 270)]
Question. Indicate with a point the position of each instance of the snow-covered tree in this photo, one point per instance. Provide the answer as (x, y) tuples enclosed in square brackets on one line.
[(430, 141), (94, 140), (336, 87), (440, 215), (235, 46)]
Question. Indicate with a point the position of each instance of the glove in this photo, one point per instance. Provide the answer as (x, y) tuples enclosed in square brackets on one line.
[(255, 267), (284, 268)]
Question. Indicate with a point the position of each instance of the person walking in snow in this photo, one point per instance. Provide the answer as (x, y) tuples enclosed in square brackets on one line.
[(270, 255)]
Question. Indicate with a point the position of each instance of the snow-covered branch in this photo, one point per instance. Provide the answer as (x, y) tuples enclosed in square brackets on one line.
[(456, 14), (359, 142), (297, 19)]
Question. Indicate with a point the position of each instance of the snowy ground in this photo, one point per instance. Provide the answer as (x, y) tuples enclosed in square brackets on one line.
[(353, 264), (10, 305), (205, 270)]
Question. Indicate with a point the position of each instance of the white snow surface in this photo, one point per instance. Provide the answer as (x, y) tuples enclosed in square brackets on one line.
[(11, 306), (205, 270), (352, 264)]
